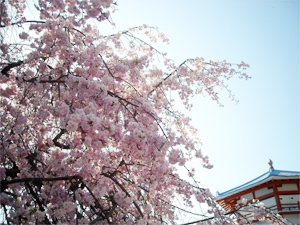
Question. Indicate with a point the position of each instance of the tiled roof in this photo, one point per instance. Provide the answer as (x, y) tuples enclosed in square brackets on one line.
[(272, 174)]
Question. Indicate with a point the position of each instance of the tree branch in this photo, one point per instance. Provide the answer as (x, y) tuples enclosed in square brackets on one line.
[(56, 143), (37, 179), (160, 83), (5, 70), (124, 190)]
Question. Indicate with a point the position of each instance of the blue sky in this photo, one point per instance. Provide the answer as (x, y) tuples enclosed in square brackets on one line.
[(238, 138)]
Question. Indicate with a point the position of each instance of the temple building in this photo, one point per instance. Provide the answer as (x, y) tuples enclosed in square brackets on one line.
[(278, 189)]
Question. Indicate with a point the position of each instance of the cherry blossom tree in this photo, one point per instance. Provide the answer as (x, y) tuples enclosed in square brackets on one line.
[(88, 134)]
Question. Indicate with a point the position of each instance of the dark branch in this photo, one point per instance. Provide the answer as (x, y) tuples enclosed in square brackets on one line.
[(37, 179), (5, 70), (117, 96), (56, 143), (125, 191)]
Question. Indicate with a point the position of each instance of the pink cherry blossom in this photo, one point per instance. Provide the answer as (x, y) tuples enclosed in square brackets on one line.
[(88, 132)]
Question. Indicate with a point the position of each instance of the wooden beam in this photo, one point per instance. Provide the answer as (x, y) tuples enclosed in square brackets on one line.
[(291, 212), (277, 197)]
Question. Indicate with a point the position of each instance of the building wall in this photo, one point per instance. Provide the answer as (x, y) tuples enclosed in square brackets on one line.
[(293, 218), (263, 191)]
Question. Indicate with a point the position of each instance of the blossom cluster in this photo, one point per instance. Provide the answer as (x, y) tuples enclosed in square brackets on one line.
[(87, 132)]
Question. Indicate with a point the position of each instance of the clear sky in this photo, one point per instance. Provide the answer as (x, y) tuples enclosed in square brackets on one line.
[(238, 138)]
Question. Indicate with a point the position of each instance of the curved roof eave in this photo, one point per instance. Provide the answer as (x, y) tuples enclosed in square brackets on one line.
[(272, 174)]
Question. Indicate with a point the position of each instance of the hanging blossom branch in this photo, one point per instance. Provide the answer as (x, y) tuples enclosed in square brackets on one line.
[(74, 181), (245, 211), (83, 120)]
